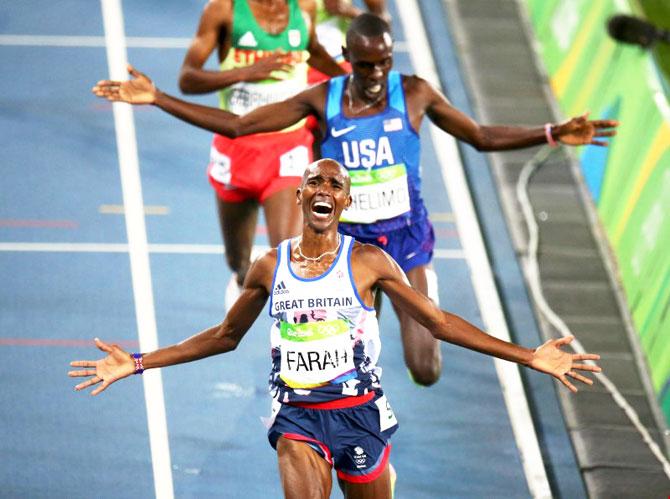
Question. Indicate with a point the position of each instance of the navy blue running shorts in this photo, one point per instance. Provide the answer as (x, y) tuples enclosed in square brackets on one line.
[(409, 246), (354, 440)]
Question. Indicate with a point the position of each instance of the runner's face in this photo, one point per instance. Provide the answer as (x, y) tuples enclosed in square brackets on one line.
[(371, 59), (324, 193)]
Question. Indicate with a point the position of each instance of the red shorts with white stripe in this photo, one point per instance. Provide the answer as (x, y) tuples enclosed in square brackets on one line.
[(355, 439), (258, 166)]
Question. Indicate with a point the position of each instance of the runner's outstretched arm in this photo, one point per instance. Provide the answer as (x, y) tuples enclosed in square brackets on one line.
[(575, 131), (224, 337), (272, 117), (381, 270), (349, 10)]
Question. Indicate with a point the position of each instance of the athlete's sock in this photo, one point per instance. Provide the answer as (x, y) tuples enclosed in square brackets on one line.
[(233, 291), (433, 292)]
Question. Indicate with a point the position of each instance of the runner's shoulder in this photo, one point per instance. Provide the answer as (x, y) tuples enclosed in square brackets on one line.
[(262, 270), (376, 262), (219, 10), (415, 84), (368, 254)]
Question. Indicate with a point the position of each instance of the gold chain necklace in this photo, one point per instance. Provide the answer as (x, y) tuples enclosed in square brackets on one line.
[(366, 106), (317, 258)]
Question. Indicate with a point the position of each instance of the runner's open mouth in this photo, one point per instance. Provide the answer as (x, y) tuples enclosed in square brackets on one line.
[(322, 208)]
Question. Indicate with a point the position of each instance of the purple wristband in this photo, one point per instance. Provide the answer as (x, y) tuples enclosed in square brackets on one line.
[(139, 367)]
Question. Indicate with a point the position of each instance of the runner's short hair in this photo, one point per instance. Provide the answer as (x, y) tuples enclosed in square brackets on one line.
[(367, 25)]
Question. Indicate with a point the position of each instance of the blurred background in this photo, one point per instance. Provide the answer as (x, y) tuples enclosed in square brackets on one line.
[(603, 260)]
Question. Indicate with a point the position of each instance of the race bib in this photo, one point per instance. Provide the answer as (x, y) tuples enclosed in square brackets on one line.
[(219, 166), (294, 162), (274, 410), (387, 418), (377, 194), (244, 97), (315, 353)]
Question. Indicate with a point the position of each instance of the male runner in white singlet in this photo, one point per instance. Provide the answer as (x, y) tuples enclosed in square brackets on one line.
[(328, 405)]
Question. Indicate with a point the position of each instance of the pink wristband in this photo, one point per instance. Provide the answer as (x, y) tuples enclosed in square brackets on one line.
[(549, 136)]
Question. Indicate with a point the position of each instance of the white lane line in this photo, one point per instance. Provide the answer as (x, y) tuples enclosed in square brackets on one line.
[(117, 209), (65, 247), (92, 41), (177, 249), (482, 276), (138, 250), (142, 42)]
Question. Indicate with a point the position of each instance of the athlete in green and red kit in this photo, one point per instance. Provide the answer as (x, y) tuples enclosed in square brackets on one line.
[(264, 48)]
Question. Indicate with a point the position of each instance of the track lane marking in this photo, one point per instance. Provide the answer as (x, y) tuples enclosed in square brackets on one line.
[(179, 249), (138, 251)]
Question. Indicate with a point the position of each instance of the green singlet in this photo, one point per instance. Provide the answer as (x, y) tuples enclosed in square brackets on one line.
[(250, 43)]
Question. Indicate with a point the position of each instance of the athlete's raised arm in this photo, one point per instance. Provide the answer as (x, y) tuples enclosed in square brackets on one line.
[(372, 267), (425, 99), (272, 117), (221, 338), (318, 56)]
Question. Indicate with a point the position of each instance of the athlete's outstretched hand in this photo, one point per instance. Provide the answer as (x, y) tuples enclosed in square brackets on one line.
[(549, 358), (138, 90), (117, 365), (580, 131)]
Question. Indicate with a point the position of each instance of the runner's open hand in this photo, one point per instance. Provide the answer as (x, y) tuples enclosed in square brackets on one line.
[(580, 131), (549, 358), (117, 365), (138, 90)]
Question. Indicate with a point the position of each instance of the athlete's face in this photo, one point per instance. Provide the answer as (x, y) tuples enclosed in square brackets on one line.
[(371, 59), (323, 194)]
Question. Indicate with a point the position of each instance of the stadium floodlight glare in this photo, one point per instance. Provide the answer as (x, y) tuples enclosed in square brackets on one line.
[(636, 31)]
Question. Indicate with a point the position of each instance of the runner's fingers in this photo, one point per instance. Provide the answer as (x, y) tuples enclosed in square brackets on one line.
[(587, 367), (106, 91), (599, 142), (93, 381), (565, 381), (134, 72), (102, 84), (101, 388), (565, 340), (605, 123), (579, 377), (78, 374), (605, 133), (586, 356), (82, 363), (103, 346)]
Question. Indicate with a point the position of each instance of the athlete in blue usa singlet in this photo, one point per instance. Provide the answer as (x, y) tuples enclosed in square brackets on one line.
[(381, 153)]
